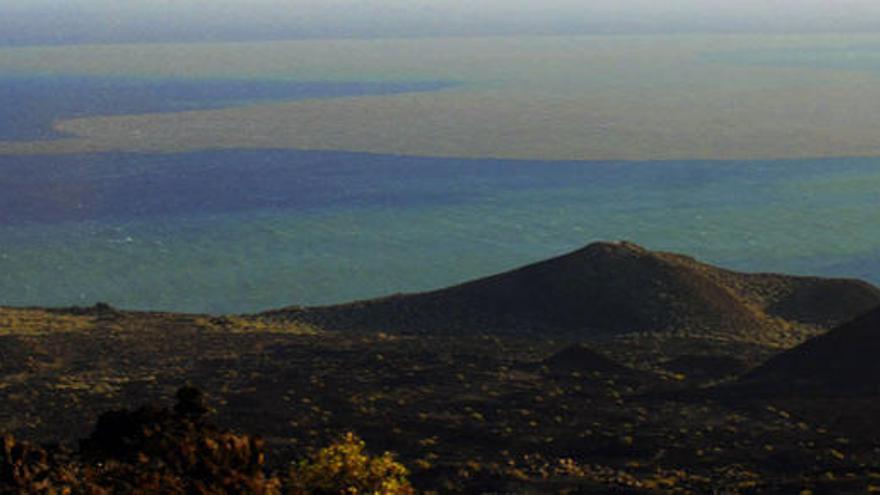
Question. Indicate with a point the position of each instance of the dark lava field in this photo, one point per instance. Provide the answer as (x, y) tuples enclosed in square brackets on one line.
[(612, 369)]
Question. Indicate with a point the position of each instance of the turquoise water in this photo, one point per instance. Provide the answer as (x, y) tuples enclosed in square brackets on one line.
[(239, 231)]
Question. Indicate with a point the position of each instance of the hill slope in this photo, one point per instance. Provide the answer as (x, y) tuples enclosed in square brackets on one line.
[(612, 289), (578, 358), (842, 362)]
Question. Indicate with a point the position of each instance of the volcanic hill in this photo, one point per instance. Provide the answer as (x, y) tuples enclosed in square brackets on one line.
[(608, 289), (842, 362)]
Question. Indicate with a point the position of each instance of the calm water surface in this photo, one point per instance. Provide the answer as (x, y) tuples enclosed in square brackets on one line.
[(29, 105), (236, 231)]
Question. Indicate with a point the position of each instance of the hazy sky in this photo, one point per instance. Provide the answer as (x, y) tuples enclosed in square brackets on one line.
[(73, 21)]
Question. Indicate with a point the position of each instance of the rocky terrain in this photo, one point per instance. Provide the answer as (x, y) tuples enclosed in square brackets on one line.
[(652, 373)]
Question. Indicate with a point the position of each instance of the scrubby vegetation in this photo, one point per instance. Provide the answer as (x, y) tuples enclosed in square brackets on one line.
[(178, 451), (40, 322), (521, 409), (345, 467)]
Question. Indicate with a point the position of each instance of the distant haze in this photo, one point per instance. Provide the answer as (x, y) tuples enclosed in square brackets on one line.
[(24, 22)]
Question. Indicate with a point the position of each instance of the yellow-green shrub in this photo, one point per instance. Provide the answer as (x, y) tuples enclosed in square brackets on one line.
[(344, 468)]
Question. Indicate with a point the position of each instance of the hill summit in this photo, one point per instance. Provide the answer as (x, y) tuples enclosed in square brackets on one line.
[(614, 288)]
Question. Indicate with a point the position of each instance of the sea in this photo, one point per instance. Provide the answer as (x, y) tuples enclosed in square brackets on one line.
[(245, 230)]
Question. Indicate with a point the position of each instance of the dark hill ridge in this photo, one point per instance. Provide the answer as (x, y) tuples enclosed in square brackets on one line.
[(578, 358), (842, 362), (611, 289), (584, 364)]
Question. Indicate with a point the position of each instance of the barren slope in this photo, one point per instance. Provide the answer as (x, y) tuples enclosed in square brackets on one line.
[(608, 289)]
